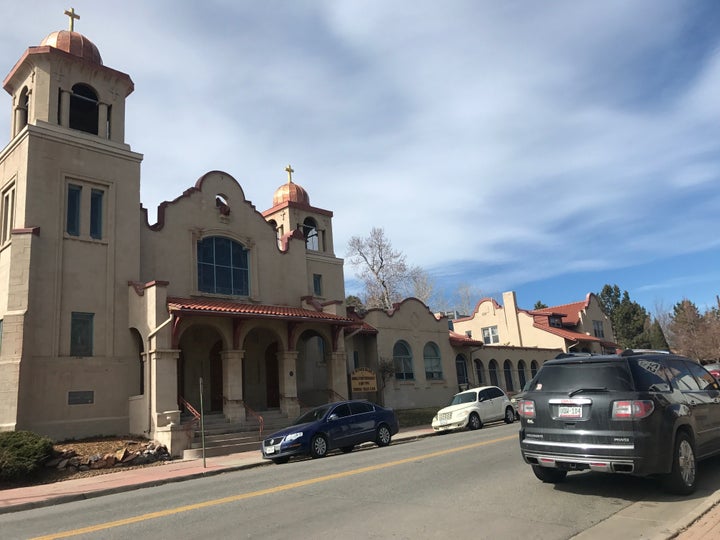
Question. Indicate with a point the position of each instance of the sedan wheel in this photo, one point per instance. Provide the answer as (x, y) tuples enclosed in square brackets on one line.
[(474, 422), (318, 447), (383, 435), (509, 415)]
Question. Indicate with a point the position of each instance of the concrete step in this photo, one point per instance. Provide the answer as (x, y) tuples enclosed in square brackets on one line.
[(222, 449), (223, 437)]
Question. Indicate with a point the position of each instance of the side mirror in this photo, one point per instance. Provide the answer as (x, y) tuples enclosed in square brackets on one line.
[(333, 417)]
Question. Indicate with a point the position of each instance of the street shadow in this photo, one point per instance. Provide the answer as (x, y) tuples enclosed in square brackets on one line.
[(635, 488)]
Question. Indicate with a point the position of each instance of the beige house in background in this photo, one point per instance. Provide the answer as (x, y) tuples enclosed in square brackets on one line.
[(577, 327), (112, 325)]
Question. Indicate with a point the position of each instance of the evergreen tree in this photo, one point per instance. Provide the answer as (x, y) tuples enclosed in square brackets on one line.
[(628, 318), (540, 305), (657, 337)]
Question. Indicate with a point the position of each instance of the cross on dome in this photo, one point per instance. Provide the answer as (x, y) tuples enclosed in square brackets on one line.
[(73, 17), (289, 170)]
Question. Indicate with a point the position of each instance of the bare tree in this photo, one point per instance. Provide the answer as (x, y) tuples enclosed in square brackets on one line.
[(664, 317), (422, 286), (384, 272), (467, 298)]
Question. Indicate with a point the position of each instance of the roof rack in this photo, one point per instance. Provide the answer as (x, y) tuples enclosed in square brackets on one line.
[(574, 355), (632, 352)]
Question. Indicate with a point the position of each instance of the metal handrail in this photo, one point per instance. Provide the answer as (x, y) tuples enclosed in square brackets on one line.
[(334, 396), (189, 407), (259, 418)]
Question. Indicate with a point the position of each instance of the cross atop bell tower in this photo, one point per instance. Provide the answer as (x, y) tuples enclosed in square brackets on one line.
[(73, 17)]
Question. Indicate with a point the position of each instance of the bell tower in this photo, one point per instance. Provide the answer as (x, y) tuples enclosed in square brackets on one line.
[(63, 82), (69, 242)]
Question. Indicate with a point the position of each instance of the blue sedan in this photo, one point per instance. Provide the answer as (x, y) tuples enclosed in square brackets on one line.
[(340, 425)]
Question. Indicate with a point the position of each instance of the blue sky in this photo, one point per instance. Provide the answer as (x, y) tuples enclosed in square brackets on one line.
[(543, 147)]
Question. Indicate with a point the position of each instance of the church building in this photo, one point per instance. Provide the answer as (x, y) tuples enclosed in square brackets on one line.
[(109, 323)]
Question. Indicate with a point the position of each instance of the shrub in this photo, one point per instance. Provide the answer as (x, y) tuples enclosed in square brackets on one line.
[(22, 453), (415, 417)]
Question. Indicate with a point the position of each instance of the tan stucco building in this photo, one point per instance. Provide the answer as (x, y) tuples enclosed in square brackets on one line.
[(576, 327)]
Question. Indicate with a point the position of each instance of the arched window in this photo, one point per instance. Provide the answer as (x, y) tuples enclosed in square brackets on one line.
[(23, 107), (433, 362), (461, 368), (507, 368), (84, 109), (479, 372), (402, 358), (222, 266), (521, 374), (533, 368), (312, 240), (493, 369)]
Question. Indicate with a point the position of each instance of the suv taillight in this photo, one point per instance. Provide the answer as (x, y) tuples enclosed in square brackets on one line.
[(526, 408), (632, 409)]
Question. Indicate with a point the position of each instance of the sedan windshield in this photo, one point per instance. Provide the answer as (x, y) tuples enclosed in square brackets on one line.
[(313, 415), (465, 397)]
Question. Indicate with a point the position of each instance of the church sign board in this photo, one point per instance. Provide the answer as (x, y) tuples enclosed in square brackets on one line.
[(363, 380)]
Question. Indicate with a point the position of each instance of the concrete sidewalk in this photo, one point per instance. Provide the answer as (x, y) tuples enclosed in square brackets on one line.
[(701, 522)]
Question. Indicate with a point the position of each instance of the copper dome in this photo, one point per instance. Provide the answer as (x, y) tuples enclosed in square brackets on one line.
[(75, 44), (291, 192)]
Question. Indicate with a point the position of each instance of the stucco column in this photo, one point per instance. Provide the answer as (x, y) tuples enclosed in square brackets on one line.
[(337, 374), (20, 119), (233, 404), (163, 388), (289, 403), (64, 108), (102, 120)]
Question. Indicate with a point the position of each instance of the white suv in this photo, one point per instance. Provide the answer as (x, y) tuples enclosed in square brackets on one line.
[(472, 408)]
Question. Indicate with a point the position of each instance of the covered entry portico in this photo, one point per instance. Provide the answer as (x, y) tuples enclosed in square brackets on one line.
[(250, 358)]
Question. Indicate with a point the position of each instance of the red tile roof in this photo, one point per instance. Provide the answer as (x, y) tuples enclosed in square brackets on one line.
[(228, 307), (569, 312), (461, 339), (565, 333)]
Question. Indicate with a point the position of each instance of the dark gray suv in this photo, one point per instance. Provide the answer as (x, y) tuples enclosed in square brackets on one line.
[(641, 413)]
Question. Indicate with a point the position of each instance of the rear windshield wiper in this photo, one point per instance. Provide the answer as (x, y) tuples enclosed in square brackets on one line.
[(583, 390)]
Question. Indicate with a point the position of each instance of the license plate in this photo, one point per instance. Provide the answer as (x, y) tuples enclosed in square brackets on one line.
[(269, 449), (566, 411)]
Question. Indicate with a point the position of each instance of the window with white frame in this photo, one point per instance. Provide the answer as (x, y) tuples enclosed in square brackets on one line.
[(433, 362), (402, 360), (490, 335), (555, 322), (8, 212)]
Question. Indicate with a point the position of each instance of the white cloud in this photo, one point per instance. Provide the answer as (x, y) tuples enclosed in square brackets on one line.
[(514, 139)]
